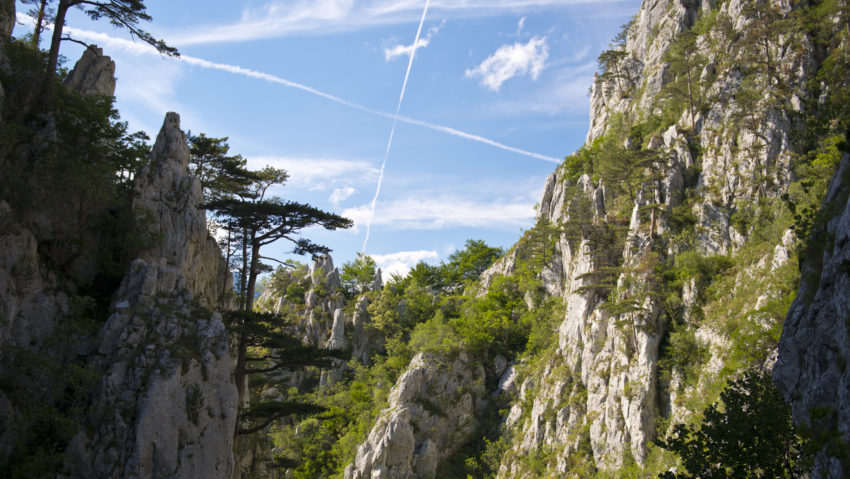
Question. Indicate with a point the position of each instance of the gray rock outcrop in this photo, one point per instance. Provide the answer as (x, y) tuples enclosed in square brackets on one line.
[(811, 370), (93, 74), (166, 406), (431, 413)]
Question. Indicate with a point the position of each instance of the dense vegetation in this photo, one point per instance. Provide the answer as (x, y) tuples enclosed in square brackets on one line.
[(66, 176)]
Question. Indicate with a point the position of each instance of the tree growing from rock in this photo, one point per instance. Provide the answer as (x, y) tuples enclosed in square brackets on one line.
[(120, 13), (685, 66), (259, 219), (356, 277)]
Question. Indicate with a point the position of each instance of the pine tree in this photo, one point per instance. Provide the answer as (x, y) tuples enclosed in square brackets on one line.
[(260, 220), (685, 66), (120, 13), (41, 13)]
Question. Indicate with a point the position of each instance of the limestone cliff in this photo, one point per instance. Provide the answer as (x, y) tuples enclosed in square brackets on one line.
[(433, 410), (93, 74), (167, 405), (111, 365), (679, 282)]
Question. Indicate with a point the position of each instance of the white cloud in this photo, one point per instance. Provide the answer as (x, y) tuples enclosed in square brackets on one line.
[(432, 213), (340, 194), (510, 61), (407, 50), (317, 173), (401, 262)]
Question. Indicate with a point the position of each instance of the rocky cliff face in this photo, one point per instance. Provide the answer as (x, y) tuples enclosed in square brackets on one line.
[(313, 301), (93, 74), (148, 393), (616, 378), (811, 370), (603, 381), (433, 410), (167, 405)]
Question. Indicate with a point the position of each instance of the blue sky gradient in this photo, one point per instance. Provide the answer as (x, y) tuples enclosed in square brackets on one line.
[(514, 72)]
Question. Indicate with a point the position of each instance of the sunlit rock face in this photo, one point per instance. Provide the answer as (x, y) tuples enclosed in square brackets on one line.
[(431, 413), (166, 406), (94, 73)]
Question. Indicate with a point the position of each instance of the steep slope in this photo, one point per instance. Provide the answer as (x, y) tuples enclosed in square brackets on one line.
[(673, 235)]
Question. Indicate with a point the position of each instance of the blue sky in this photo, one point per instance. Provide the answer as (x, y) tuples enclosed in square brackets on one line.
[(496, 95)]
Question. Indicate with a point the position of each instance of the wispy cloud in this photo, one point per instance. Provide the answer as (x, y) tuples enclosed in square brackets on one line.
[(520, 25), (318, 173), (566, 92), (280, 18), (401, 262), (341, 194), (401, 50), (432, 213), (510, 61)]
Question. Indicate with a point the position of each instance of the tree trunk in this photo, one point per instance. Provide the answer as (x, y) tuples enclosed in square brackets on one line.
[(691, 97), (39, 24), (242, 278), (252, 274), (58, 25)]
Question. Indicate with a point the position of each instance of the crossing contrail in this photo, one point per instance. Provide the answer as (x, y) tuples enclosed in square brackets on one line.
[(392, 130), (144, 49)]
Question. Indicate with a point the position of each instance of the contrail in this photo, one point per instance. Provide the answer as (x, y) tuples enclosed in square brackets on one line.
[(140, 48), (392, 130)]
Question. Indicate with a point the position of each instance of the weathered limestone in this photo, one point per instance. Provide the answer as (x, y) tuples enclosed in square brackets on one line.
[(167, 405), (431, 412), (93, 74)]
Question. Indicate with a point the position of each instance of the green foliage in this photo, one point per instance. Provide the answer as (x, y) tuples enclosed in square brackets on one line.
[(486, 465), (50, 396), (750, 433), (682, 351), (221, 175), (436, 336), (467, 264), (397, 311), (685, 66), (356, 277), (492, 322)]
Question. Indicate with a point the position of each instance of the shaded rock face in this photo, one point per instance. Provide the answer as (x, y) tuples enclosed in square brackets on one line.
[(7, 20), (431, 413), (7, 23), (93, 74), (320, 318), (166, 406), (811, 371), (31, 297)]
